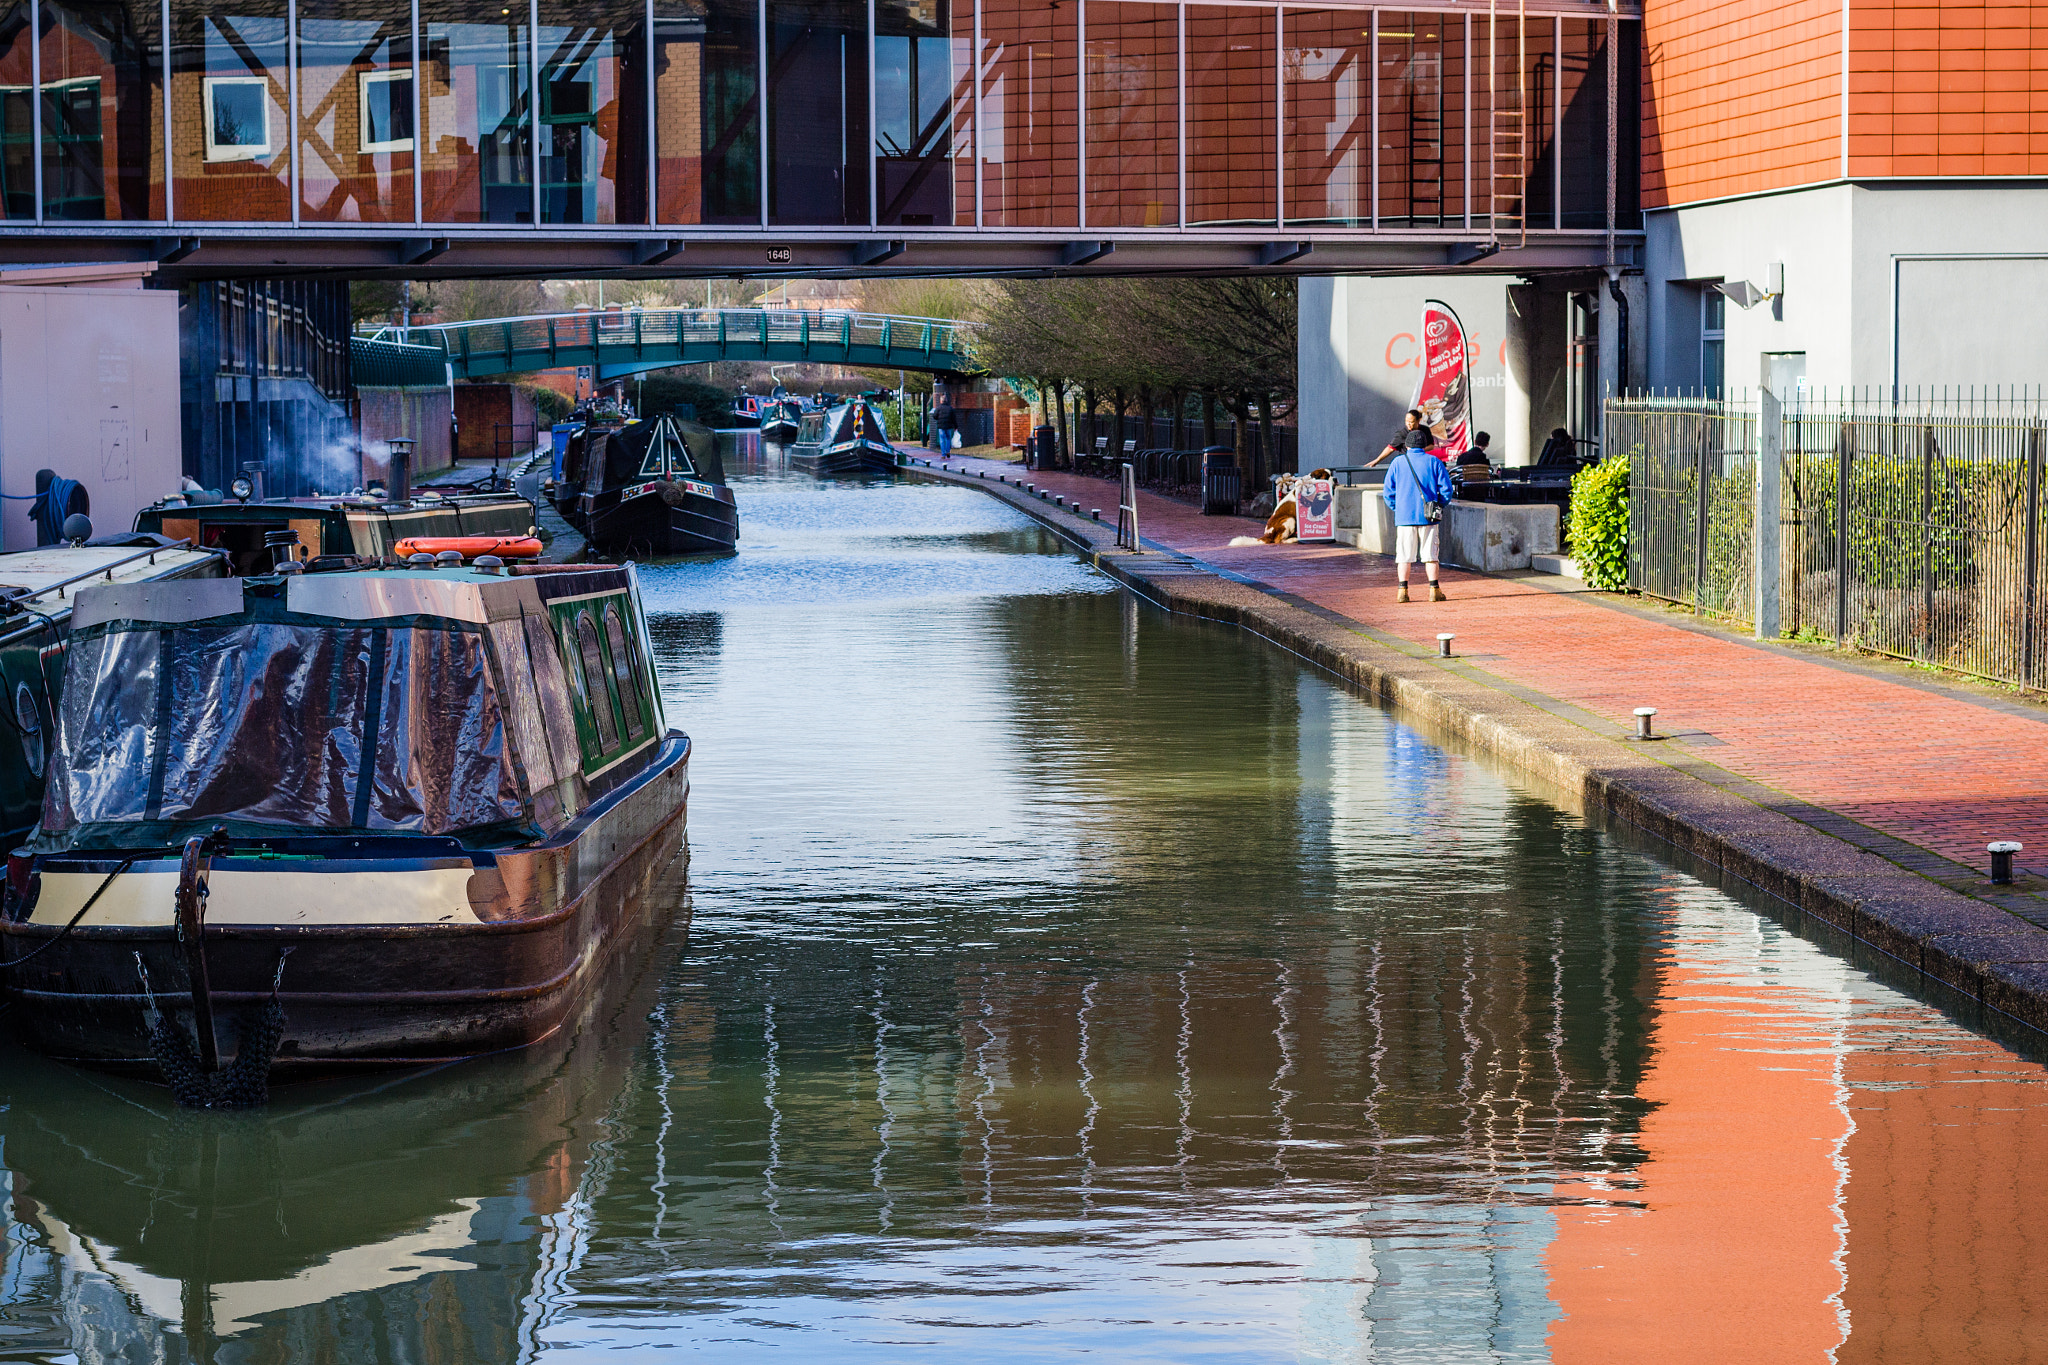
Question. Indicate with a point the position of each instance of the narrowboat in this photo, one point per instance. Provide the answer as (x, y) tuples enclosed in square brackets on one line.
[(846, 437), (37, 590), (781, 414), (317, 821), (745, 410), (366, 527), (648, 489)]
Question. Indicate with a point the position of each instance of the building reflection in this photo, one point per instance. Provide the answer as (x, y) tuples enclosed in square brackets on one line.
[(824, 113)]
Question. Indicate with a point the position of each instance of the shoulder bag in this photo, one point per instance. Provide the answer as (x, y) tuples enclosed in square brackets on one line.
[(1432, 510)]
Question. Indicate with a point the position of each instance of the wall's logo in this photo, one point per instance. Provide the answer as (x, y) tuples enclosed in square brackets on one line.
[(1435, 329)]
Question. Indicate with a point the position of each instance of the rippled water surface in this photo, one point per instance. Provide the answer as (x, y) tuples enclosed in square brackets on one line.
[(1068, 980)]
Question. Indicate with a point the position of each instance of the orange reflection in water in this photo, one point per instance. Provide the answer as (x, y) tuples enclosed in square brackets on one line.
[(1830, 1175)]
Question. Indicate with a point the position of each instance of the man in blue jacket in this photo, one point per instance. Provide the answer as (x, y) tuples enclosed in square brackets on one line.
[(1415, 480)]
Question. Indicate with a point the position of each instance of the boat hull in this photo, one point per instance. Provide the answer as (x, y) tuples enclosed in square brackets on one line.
[(375, 995), (778, 429), (654, 524), (852, 458)]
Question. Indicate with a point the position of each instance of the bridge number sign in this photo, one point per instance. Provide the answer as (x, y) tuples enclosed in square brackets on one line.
[(778, 255)]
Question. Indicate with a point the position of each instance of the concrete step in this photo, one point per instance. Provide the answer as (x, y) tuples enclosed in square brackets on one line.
[(1555, 564)]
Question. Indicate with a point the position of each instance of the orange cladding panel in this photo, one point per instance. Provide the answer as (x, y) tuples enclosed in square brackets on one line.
[(1739, 96)]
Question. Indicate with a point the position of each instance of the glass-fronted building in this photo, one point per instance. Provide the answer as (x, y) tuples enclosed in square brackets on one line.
[(1087, 115)]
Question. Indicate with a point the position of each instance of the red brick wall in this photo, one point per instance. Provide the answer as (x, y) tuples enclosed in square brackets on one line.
[(421, 414)]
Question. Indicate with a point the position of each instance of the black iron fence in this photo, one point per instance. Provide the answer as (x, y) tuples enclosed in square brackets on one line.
[(1910, 528)]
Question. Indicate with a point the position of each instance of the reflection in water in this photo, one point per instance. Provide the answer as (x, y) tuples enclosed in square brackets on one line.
[(1065, 978)]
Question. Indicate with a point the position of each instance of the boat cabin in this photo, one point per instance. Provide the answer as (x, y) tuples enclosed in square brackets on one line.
[(476, 704), (368, 527)]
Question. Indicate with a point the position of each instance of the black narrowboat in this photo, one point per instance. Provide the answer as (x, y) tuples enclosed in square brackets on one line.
[(846, 437), (310, 822), (781, 414), (648, 489)]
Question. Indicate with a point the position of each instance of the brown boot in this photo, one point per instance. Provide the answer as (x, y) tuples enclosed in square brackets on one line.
[(1436, 591), (1402, 595)]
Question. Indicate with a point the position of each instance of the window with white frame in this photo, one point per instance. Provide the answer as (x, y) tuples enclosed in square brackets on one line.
[(384, 100), (1713, 341), (237, 118)]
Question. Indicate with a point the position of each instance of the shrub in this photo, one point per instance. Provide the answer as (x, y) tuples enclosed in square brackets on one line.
[(1598, 530)]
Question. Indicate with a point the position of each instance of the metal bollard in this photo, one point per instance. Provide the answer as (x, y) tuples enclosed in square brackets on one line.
[(1643, 714), (2001, 860), (1443, 646), (1095, 512)]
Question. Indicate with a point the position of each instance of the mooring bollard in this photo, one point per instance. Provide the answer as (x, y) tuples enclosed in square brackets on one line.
[(1095, 512), (1443, 646), (1643, 714), (2001, 860)]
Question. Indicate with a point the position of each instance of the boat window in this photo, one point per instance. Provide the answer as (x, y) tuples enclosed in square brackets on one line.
[(28, 718), (557, 709), (599, 699), (572, 659), (624, 668), (320, 727)]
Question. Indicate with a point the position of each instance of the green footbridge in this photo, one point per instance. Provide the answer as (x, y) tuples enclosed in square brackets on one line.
[(620, 342)]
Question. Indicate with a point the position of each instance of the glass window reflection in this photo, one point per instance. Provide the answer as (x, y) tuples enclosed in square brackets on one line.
[(355, 113), (102, 111), (1422, 118), (17, 114), (1328, 70), (593, 113), (1029, 113), (924, 116), (478, 95), (707, 111), (817, 112), (1231, 135), (229, 149), (1133, 115)]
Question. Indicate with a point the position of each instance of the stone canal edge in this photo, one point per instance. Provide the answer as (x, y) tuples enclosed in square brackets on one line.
[(1965, 942)]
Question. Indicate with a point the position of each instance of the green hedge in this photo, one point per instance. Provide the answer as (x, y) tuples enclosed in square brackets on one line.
[(1598, 531)]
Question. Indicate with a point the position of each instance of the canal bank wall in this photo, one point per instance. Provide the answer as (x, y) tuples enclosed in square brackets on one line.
[(1939, 918)]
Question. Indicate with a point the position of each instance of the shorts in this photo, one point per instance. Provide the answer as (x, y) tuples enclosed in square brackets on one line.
[(1416, 542)]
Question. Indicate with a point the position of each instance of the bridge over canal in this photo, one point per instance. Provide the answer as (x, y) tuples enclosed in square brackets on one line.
[(634, 341)]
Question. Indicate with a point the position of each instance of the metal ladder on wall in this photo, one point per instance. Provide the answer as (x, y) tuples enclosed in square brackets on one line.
[(1507, 143)]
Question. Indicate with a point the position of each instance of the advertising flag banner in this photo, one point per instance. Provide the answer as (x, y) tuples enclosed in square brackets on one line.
[(1315, 515), (1444, 393)]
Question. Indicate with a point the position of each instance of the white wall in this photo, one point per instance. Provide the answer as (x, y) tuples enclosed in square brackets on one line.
[(88, 388), (1360, 358), (1912, 283)]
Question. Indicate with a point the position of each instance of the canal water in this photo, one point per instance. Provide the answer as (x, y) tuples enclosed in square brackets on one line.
[(1066, 980)]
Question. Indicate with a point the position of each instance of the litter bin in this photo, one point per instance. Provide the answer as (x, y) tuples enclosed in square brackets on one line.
[(1045, 448), (1222, 483)]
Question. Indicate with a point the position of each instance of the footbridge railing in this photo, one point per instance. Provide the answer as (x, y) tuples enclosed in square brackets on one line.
[(632, 340)]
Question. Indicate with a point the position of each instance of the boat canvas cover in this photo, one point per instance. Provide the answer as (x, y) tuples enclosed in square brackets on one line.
[(260, 718)]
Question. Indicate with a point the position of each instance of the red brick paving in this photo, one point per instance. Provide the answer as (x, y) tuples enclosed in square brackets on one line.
[(1935, 769)]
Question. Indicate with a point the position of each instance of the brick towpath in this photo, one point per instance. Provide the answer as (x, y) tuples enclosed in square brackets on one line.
[(1901, 767)]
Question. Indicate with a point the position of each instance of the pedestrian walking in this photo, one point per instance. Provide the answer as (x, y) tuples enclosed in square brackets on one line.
[(945, 427), (1418, 489)]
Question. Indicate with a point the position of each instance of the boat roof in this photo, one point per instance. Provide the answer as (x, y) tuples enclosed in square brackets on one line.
[(465, 593), (27, 577)]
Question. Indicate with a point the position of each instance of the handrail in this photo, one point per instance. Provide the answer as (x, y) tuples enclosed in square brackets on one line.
[(20, 596)]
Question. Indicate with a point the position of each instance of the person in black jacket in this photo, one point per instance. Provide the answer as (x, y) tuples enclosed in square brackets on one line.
[(945, 428)]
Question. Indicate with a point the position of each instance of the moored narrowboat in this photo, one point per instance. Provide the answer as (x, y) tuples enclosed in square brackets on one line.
[(781, 414), (315, 821), (846, 437), (745, 410), (367, 527), (648, 489)]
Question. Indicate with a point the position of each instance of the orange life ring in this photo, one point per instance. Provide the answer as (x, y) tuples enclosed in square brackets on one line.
[(469, 547)]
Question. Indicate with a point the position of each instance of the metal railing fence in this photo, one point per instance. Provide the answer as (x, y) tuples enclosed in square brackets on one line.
[(1908, 528)]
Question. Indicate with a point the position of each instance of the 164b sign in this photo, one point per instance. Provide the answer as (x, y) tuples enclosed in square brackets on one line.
[(778, 255)]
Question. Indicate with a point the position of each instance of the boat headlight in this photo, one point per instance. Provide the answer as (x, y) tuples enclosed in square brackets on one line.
[(242, 488)]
